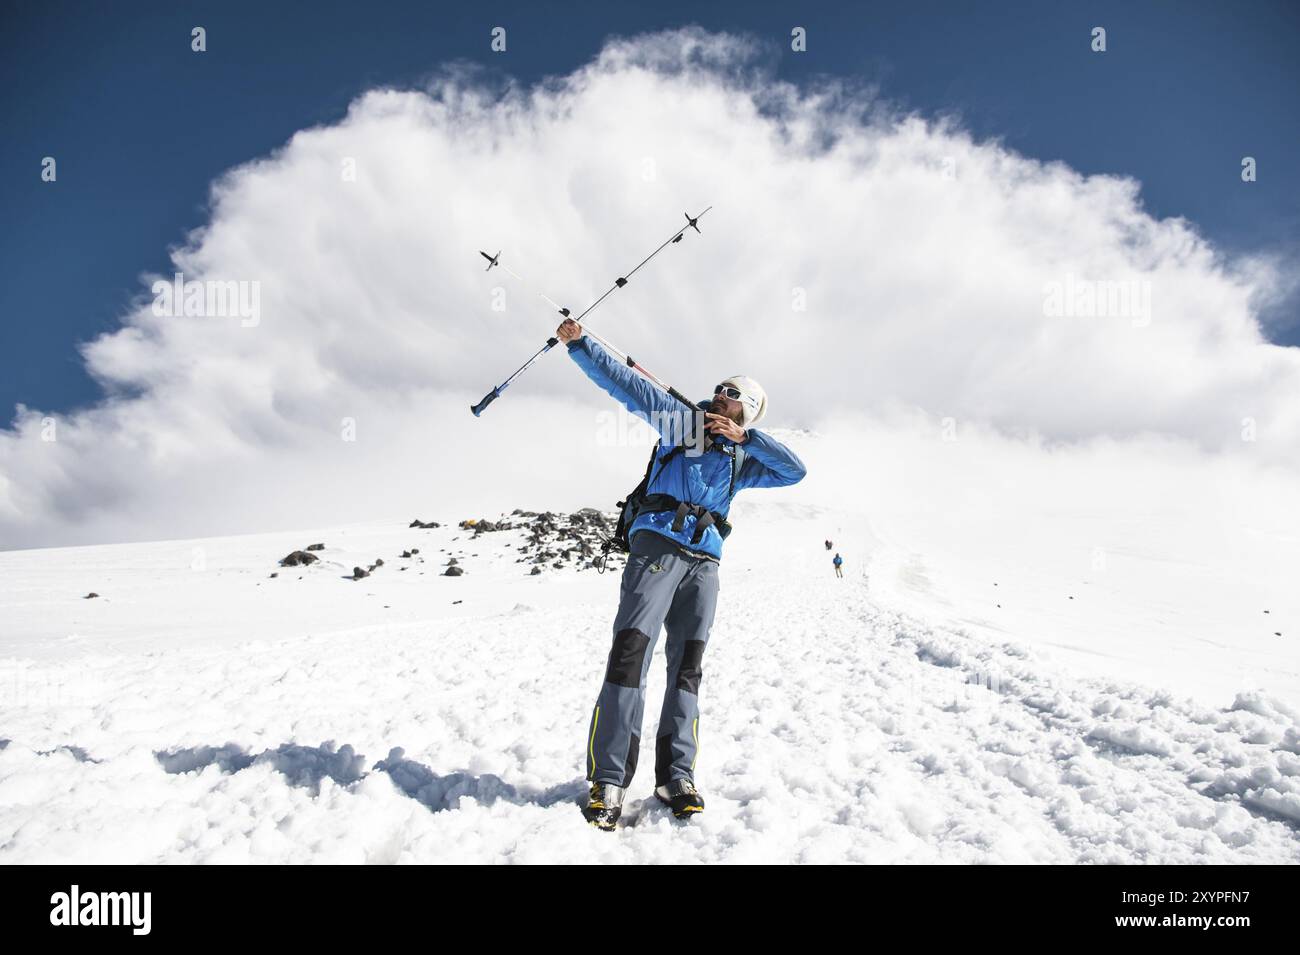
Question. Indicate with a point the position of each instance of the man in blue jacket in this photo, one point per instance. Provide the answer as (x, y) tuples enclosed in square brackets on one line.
[(671, 577)]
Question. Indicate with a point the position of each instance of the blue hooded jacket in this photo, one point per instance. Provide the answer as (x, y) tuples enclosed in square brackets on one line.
[(691, 476)]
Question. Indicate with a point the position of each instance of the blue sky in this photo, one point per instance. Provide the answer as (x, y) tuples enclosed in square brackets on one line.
[(140, 125)]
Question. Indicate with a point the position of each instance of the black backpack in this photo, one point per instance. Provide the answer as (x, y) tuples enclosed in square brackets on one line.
[(638, 501)]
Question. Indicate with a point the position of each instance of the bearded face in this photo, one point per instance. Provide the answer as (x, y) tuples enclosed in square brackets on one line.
[(728, 407)]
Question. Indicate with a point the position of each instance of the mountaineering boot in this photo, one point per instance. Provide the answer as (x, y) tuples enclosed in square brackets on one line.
[(604, 805), (682, 797)]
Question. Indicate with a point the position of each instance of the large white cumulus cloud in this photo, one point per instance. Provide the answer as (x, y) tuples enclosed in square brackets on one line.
[(920, 258)]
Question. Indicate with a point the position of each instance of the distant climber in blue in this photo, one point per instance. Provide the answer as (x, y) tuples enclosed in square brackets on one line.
[(675, 529)]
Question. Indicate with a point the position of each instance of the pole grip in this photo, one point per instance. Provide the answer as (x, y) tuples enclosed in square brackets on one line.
[(490, 397)]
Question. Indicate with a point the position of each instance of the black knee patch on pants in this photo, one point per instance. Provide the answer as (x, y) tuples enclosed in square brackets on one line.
[(663, 759), (629, 770), (692, 668), (626, 658)]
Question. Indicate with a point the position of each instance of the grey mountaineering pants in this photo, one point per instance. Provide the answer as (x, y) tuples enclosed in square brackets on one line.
[(662, 587)]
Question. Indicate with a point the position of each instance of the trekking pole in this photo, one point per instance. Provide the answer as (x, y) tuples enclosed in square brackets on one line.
[(494, 260), (609, 346)]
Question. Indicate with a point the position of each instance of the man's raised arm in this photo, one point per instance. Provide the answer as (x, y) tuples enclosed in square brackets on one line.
[(622, 383)]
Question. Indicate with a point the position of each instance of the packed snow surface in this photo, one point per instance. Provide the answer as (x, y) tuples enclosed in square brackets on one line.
[(201, 710)]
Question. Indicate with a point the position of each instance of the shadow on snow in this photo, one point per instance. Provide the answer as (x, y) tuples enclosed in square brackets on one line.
[(306, 766)]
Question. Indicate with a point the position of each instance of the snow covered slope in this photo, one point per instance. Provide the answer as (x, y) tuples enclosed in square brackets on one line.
[(200, 710)]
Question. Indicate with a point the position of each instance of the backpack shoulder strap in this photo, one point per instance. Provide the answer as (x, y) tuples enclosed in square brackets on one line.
[(737, 462), (663, 463), (654, 456)]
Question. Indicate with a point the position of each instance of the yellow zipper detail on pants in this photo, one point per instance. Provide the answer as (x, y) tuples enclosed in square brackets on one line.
[(695, 732), (591, 746)]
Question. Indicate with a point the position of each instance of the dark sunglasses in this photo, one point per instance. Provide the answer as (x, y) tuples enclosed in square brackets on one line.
[(732, 393)]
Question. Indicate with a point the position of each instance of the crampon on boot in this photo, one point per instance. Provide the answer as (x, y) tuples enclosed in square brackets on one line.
[(682, 797), (604, 805)]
